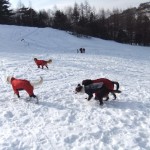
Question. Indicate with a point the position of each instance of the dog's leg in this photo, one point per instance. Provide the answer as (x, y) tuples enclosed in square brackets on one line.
[(46, 66), (114, 96), (102, 93), (89, 97), (101, 101), (107, 98), (18, 95), (96, 98), (34, 96)]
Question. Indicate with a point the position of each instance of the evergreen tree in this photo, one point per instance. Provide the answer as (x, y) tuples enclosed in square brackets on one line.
[(142, 31), (43, 18), (130, 21), (60, 21), (25, 16), (75, 15), (5, 12)]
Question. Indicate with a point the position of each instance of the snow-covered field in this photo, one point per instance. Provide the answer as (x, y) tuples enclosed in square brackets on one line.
[(62, 119)]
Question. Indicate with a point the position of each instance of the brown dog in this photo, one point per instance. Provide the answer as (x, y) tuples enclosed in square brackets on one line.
[(42, 62), (100, 87)]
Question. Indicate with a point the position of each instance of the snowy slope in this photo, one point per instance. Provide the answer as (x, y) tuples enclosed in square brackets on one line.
[(64, 120)]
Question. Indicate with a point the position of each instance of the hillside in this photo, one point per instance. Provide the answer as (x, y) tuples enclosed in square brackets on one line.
[(62, 119)]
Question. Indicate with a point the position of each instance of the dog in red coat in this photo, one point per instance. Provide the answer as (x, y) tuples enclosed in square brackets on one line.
[(21, 84), (42, 63), (100, 87)]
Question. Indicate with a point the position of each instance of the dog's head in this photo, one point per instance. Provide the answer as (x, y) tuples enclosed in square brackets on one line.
[(8, 79), (49, 61), (79, 89), (35, 59)]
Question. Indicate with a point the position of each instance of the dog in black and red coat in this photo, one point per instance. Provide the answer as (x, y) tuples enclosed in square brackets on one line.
[(100, 87)]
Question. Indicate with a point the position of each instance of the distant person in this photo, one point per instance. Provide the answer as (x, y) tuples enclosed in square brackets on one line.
[(83, 50), (80, 50)]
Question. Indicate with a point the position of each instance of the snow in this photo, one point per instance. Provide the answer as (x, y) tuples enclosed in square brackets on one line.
[(62, 119)]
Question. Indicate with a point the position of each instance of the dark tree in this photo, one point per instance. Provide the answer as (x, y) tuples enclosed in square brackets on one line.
[(122, 36), (5, 12), (129, 17), (142, 30), (25, 16), (60, 21), (43, 19), (75, 15), (114, 24), (22, 16), (102, 22)]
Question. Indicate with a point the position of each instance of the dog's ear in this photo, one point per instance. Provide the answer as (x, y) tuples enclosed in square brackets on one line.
[(86, 82)]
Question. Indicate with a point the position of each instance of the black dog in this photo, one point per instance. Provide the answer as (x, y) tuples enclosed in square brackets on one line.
[(100, 87)]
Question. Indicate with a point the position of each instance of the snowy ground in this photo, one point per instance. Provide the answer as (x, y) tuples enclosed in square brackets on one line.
[(64, 120)]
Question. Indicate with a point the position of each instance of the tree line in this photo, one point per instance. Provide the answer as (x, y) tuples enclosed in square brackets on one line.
[(130, 26)]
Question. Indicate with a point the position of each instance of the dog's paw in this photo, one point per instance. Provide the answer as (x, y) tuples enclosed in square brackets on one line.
[(87, 99), (101, 104), (37, 102), (28, 99)]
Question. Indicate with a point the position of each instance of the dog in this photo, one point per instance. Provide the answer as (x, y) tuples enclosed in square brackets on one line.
[(100, 87), (42, 62), (21, 84)]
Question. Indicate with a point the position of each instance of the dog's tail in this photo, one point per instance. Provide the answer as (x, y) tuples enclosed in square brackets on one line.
[(115, 91), (117, 84), (34, 84), (49, 61)]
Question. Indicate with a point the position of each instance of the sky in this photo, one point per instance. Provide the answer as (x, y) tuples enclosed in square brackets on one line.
[(61, 4)]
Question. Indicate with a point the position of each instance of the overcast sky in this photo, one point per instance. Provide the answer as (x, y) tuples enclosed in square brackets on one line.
[(98, 4)]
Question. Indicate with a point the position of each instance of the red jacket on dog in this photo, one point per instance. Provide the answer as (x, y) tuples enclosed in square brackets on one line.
[(100, 87), (106, 83), (109, 85), (19, 84), (42, 62)]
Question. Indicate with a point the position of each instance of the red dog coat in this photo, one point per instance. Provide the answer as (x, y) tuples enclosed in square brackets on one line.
[(41, 62), (107, 83), (19, 84)]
